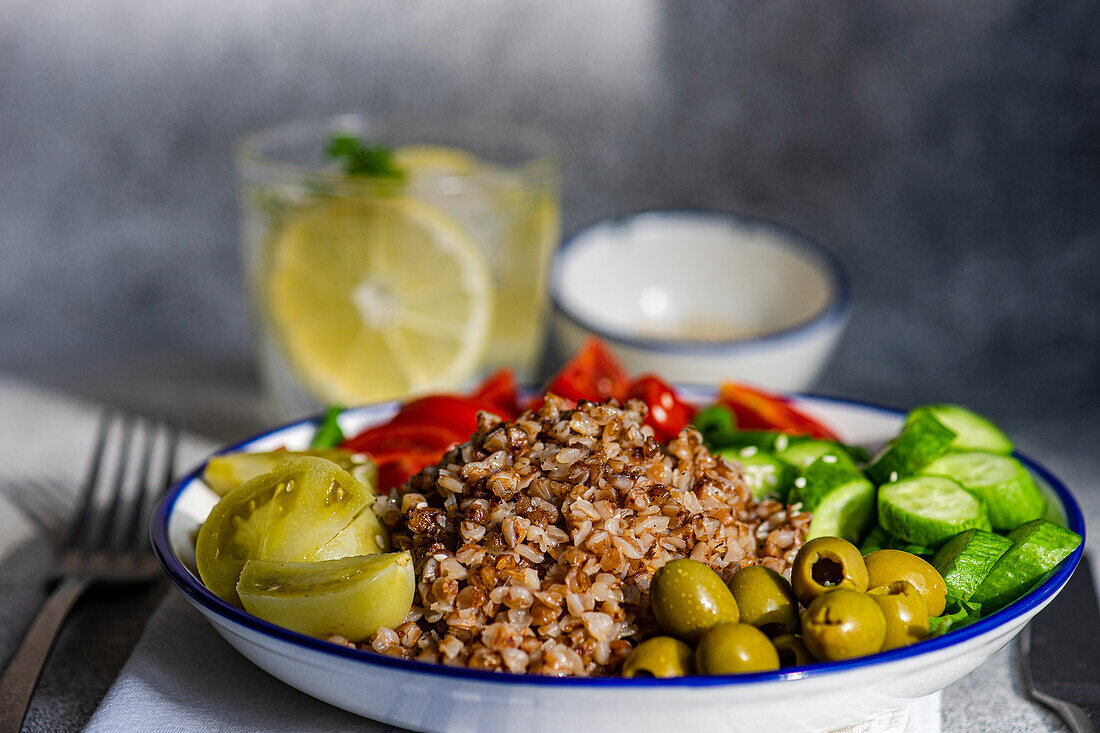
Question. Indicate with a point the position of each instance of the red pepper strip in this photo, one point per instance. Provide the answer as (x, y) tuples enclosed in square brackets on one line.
[(400, 451), (500, 391), (455, 414), (756, 410), (668, 414), (593, 374)]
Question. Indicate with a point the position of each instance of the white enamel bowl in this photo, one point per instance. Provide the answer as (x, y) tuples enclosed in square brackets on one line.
[(435, 698), (700, 297)]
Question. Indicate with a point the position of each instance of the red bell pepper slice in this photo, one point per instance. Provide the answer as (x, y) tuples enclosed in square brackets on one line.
[(400, 451), (668, 414), (593, 374), (499, 390), (758, 410), (455, 414)]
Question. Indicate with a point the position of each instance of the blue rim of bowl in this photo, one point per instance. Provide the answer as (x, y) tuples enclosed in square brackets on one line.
[(191, 587), (836, 310)]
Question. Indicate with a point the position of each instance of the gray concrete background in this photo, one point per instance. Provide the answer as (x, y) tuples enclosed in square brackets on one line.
[(948, 153)]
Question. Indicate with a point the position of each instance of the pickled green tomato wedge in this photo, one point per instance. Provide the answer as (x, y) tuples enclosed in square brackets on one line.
[(350, 597), (288, 515), (364, 536), (225, 472)]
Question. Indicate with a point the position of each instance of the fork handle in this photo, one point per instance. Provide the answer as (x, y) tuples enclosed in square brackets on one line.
[(20, 678)]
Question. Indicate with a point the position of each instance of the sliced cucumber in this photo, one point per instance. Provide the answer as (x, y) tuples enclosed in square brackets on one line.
[(840, 497), (929, 510), (771, 441), (1037, 547), (960, 614), (1002, 482), (802, 453), (965, 560), (767, 477), (972, 431), (922, 440), (880, 539)]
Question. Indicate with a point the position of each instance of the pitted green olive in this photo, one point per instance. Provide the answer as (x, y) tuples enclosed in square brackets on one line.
[(905, 612), (735, 649), (888, 566), (765, 600), (825, 564), (843, 624), (661, 656), (688, 598), (792, 651)]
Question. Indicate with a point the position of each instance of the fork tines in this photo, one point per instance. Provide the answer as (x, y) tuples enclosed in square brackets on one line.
[(133, 461)]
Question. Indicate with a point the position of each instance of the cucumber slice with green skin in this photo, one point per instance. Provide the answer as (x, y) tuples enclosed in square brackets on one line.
[(972, 431), (1002, 482), (880, 539), (929, 510), (771, 441), (805, 452), (965, 560), (961, 614), (1037, 547), (840, 497), (767, 477), (922, 440)]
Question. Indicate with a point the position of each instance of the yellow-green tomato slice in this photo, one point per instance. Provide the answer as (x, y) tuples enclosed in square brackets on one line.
[(351, 597), (364, 536), (226, 472), (287, 515)]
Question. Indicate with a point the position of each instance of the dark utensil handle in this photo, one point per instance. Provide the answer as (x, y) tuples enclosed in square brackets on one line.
[(20, 678)]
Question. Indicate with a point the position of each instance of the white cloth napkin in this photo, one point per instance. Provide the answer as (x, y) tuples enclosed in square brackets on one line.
[(183, 677)]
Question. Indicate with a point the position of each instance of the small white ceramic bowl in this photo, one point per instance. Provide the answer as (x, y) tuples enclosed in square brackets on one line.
[(700, 297), (432, 697)]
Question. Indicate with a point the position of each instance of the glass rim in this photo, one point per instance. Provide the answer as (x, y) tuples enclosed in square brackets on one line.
[(252, 158)]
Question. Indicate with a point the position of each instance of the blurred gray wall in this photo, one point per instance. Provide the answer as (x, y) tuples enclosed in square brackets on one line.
[(948, 152)]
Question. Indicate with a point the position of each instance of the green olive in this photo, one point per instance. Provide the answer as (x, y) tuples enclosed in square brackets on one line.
[(843, 624), (887, 566), (905, 612), (735, 649), (824, 564), (765, 600), (661, 656), (688, 598), (792, 651)]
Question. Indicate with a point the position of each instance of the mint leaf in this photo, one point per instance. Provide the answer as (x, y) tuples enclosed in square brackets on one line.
[(361, 159)]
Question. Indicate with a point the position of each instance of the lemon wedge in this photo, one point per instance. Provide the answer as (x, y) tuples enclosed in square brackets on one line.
[(377, 298), (436, 160)]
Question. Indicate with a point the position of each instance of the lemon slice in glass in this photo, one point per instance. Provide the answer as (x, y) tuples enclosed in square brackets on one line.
[(379, 297), (436, 160)]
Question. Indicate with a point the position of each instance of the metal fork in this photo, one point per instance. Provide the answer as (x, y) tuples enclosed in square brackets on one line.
[(106, 542)]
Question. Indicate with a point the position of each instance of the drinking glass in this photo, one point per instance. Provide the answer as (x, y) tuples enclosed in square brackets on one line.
[(365, 288)]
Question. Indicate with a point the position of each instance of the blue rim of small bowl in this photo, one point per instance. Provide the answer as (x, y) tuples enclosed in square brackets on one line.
[(182, 578), (834, 313)]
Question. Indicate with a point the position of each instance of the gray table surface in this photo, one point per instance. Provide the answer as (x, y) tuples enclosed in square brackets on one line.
[(106, 625)]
